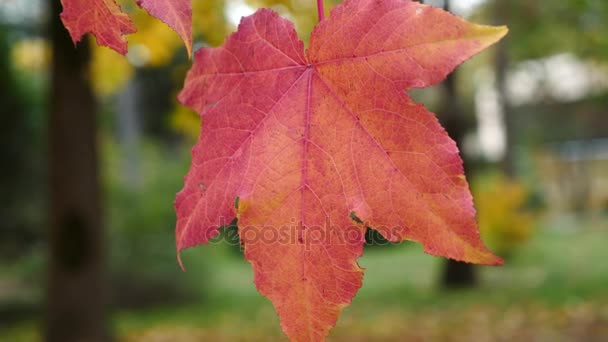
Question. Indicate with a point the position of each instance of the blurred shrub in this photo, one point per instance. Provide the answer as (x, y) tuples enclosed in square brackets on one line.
[(31, 55), (303, 13), (505, 220), (186, 122), (141, 221), (109, 71), (22, 136)]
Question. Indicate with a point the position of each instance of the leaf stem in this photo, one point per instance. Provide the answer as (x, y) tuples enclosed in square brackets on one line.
[(320, 9)]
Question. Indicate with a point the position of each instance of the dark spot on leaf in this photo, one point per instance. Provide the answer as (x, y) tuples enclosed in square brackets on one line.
[(354, 217), (375, 238)]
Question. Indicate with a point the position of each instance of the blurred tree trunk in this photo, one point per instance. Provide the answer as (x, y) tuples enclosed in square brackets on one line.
[(456, 274), (501, 66), (75, 293)]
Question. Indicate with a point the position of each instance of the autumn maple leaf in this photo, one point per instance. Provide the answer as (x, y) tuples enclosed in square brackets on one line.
[(317, 146), (109, 23)]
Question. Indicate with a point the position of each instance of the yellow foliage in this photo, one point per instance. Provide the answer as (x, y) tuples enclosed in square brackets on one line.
[(185, 121), (31, 55), (109, 70), (302, 12), (154, 43), (504, 222), (210, 22)]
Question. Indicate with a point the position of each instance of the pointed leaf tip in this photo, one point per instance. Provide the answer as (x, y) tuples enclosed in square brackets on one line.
[(179, 261), (490, 34), (175, 13)]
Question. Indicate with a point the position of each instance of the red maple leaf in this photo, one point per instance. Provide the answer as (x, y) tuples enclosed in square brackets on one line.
[(304, 141), (109, 23)]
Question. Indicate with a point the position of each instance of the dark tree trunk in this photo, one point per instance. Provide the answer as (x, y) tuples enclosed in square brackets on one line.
[(75, 293), (456, 274), (501, 66)]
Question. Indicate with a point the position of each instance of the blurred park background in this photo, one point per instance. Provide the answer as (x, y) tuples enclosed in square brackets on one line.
[(530, 116)]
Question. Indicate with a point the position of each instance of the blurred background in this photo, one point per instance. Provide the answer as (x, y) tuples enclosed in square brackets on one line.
[(86, 212)]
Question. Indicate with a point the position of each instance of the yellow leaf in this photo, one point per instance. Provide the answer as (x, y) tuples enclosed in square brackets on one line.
[(31, 55), (504, 221), (109, 70)]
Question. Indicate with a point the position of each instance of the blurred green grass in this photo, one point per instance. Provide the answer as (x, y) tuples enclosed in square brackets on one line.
[(554, 288)]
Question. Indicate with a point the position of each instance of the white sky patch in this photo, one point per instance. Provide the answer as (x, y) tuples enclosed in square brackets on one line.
[(558, 78), (462, 8), (138, 55), (466, 7), (491, 133), (236, 9), (561, 78), (21, 11)]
